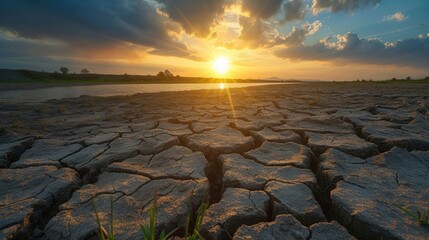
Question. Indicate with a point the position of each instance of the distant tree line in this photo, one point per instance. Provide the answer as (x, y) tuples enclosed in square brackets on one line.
[(163, 74), (166, 73), (65, 70), (393, 79), (84, 71)]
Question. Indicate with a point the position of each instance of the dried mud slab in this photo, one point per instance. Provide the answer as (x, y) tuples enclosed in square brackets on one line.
[(378, 185), (24, 199), (269, 159), (132, 196)]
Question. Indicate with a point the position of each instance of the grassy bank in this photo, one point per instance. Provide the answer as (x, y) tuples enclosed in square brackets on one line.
[(391, 81), (45, 77)]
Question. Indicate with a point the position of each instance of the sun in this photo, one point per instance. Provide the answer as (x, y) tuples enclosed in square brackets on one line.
[(221, 65)]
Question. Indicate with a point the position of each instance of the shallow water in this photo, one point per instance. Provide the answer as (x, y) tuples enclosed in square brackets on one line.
[(43, 94)]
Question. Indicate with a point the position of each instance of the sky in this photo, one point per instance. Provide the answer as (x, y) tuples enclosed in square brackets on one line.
[(288, 39)]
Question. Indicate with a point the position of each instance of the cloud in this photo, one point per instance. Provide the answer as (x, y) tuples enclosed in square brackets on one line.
[(294, 10), (297, 35), (398, 17), (94, 25), (341, 5), (423, 35), (195, 16), (254, 33), (349, 48), (313, 27), (262, 9), (259, 33)]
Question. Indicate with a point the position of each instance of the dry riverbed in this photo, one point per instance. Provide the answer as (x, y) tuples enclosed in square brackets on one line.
[(313, 161)]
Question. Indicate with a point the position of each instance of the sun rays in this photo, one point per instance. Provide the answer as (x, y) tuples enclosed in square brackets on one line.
[(221, 65)]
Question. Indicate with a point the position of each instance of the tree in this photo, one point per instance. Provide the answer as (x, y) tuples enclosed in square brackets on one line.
[(167, 73), (408, 78), (84, 71), (427, 78), (160, 74), (393, 79), (64, 70)]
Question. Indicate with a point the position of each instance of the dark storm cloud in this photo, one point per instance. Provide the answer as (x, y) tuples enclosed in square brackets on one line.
[(294, 10), (92, 24), (195, 16), (260, 8), (342, 5), (349, 48)]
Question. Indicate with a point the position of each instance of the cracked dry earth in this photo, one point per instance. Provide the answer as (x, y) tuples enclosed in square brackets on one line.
[(307, 161)]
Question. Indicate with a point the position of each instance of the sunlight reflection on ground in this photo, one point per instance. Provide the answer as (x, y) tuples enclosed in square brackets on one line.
[(221, 86)]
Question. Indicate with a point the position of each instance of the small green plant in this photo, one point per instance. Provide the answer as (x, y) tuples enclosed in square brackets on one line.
[(420, 217), (102, 233), (198, 221), (149, 232)]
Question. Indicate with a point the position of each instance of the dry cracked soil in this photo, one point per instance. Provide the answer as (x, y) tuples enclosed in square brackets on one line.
[(305, 161)]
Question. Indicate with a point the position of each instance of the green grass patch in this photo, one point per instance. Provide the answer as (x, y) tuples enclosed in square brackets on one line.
[(420, 217), (198, 223), (149, 232)]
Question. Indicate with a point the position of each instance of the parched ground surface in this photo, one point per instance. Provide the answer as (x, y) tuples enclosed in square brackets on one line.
[(306, 161)]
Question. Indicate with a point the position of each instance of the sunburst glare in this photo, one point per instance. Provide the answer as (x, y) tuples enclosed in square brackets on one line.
[(221, 65)]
